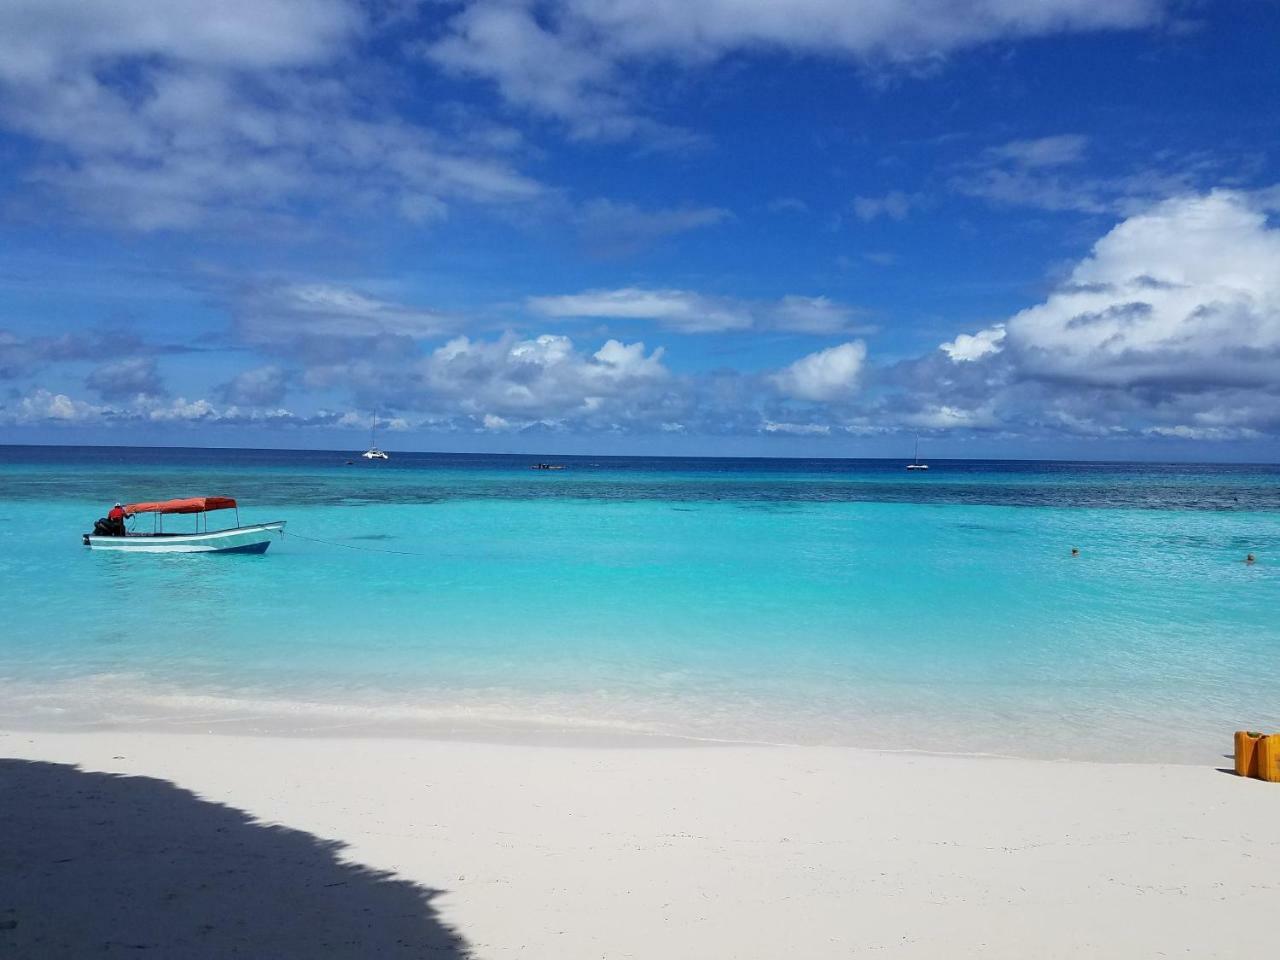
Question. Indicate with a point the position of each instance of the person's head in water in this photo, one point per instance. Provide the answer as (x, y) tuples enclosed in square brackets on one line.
[(1249, 558), (1075, 551)]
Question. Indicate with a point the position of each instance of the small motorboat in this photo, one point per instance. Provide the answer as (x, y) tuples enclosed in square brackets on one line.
[(546, 466), (253, 538)]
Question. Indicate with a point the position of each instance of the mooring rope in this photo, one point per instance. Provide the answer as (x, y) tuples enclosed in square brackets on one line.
[(352, 546)]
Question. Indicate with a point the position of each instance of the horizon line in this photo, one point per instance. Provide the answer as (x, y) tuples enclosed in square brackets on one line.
[(650, 456)]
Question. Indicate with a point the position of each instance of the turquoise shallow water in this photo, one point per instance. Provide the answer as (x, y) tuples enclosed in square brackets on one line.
[(810, 602)]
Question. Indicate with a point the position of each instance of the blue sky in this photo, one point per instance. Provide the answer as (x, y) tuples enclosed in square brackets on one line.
[(1046, 228)]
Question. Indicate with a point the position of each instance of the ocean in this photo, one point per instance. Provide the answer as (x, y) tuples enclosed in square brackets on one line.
[(649, 600)]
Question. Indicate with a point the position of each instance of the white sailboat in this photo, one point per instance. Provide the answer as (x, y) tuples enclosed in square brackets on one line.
[(373, 453), (915, 463)]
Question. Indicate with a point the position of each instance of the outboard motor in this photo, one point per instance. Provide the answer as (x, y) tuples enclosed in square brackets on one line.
[(103, 527)]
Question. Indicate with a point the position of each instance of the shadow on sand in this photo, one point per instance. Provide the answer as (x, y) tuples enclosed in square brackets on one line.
[(104, 864)]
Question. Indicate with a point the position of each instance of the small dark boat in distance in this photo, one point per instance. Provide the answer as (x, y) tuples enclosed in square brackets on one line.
[(546, 466)]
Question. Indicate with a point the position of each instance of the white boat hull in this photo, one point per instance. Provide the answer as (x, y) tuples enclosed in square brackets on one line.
[(254, 538)]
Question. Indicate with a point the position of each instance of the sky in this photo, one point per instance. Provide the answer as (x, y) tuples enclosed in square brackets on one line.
[(1012, 228)]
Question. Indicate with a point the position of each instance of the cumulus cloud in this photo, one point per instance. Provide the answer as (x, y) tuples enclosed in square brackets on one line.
[(685, 311), (545, 377), (1169, 328), (567, 59), (43, 405), (1186, 295), (966, 347), (826, 375)]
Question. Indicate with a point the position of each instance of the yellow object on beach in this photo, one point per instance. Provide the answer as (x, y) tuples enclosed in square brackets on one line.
[(1258, 755), (1247, 753), (1269, 759)]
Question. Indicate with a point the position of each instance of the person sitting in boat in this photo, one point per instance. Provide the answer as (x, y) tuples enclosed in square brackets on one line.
[(116, 517)]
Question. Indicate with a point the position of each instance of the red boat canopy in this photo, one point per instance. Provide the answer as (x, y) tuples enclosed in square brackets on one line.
[(185, 505)]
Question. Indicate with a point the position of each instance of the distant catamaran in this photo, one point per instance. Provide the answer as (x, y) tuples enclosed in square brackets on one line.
[(373, 453), (915, 464)]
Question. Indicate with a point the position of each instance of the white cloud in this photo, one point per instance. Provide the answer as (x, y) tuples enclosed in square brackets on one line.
[(126, 377), (259, 387), (566, 59), (966, 348), (1185, 295), (830, 374), (799, 429), (688, 312), (1045, 174), (819, 315), (167, 115), (38, 37), (537, 68), (285, 313), (1055, 151), (894, 205), (1184, 431), (42, 405), (610, 229), (949, 417), (546, 377), (679, 310), (182, 409)]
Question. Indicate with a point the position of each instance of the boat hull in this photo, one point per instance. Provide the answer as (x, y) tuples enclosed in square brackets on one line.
[(254, 538)]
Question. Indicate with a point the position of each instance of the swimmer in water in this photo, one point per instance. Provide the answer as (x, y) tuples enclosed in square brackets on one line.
[(1075, 551), (1249, 558)]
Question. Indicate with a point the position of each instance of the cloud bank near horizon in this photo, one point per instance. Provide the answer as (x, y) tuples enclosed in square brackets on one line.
[(1170, 327)]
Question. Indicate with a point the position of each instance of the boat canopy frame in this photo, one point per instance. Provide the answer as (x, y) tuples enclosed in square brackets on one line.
[(200, 506)]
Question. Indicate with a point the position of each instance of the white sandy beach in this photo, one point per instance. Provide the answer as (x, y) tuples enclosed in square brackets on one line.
[(572, 852)]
